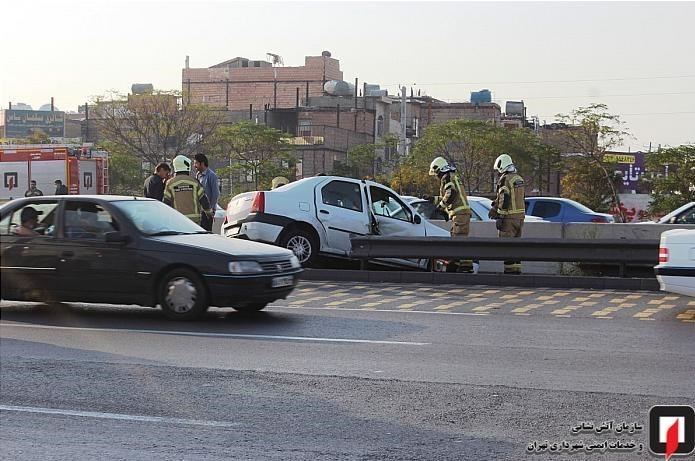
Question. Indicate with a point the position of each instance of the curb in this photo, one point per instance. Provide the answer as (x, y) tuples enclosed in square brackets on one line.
[(439, 278)]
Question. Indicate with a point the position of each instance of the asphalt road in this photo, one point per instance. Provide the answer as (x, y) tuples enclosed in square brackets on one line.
[(349, 371)]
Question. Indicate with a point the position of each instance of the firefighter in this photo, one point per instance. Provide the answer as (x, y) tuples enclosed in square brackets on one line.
[(184, 193), (454, 201), (278, 181), (508, 209)]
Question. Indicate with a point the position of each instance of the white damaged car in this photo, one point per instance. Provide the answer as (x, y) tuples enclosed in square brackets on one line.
[(319, 214)]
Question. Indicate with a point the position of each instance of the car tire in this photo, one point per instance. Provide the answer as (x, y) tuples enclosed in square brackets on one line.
[(183, 295), (250, 307), (302, 244)]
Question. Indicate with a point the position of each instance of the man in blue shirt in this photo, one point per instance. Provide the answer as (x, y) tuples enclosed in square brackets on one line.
[(211, 186)]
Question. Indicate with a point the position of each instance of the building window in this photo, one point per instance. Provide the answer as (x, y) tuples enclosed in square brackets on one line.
[(304, 128), (380, 126)]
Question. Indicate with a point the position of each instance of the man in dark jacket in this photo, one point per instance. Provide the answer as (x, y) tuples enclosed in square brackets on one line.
[(154, 184), (61, 189)]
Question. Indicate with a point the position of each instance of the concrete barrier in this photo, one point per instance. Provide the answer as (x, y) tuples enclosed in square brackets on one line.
[(644, 231)]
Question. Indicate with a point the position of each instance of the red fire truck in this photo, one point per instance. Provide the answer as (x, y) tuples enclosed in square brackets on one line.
[(82, 169)]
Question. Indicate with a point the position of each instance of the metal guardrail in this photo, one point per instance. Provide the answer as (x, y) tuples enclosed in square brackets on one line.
[(620, 252)]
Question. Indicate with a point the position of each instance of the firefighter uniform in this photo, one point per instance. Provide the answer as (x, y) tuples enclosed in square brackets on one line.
[(509, 210), (185, 194), (454, 201)]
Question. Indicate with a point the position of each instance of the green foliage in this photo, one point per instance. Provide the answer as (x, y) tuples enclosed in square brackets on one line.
[(671, 178), (255, 150), (125, 171), (473, 147), (38, 136), (587, 185)]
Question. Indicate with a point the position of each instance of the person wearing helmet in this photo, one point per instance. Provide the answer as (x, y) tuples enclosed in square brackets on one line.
[(184, 193), (278, 181), (454, 201), (509, 209)]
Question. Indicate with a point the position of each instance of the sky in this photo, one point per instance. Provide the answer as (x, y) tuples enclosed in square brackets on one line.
[(636, 57)]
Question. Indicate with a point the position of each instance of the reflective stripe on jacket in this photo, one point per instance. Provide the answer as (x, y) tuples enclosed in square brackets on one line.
[(510, 196), (186, 195), (453, 195)]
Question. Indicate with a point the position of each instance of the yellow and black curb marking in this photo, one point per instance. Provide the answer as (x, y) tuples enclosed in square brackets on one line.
[(483, 300)]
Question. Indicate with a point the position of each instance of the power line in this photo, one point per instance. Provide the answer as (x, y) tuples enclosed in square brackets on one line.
[(637, 114), (505, 98), (551, 81)]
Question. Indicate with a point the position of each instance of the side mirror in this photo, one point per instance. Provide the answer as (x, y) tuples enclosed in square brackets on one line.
[(417, 219), (115, 237)]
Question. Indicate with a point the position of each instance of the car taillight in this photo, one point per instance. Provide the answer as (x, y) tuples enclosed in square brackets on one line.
[(258, 204), (663, 255), (599, 219)]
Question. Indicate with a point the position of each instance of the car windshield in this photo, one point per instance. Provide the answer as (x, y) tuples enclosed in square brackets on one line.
[(152, 217)]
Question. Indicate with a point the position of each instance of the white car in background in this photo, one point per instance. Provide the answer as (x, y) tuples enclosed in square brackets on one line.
[(676, 269), (480, 207), (319, 214)]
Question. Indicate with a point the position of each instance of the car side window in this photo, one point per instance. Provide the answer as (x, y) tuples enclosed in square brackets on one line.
[(546, 209), (687, 218), (32, 220), (385, 203), (342, 194), (87, 220)]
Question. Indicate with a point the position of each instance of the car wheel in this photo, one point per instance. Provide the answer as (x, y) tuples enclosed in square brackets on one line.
[(182, 295), (302, 244), (251, 307)]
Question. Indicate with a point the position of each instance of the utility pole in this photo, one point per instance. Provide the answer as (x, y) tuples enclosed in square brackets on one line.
[(404, 114)]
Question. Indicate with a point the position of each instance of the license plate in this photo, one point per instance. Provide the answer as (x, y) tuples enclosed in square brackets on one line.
[(232, 231), (278, 282)]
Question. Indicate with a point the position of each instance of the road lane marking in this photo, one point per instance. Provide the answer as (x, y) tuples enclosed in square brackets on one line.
[(214, 335), (120, 416)]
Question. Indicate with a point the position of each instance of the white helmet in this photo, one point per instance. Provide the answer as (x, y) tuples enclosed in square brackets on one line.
[(181, 163), (503, 163), (439, 165)]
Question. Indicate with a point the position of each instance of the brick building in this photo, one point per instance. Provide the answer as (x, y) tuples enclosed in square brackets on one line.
[(240, 83)]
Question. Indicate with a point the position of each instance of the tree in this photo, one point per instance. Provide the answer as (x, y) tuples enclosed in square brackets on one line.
[(38, 136), (471, 146), (594, 132), (155, 126), (671, 178), (256, 150), (586, 184), (410, 179), (125, 171)]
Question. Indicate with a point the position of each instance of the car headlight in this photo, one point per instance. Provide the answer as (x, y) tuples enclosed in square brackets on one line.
[(295, 262), (244, 267)]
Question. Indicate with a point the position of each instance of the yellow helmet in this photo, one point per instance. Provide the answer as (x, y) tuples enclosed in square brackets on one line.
[(502, 163), (278, 181), (181, 163), (438, 165)]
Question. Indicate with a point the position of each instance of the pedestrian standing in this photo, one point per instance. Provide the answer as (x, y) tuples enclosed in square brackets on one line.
[(452, 199), (184, 193), (509, 209), (211, 185), (154, 184), (33, 191), (61, 189)]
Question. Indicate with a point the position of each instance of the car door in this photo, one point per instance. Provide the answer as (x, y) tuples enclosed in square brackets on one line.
[(91, 269), (394, 218), (342, 211), (29, 262)]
